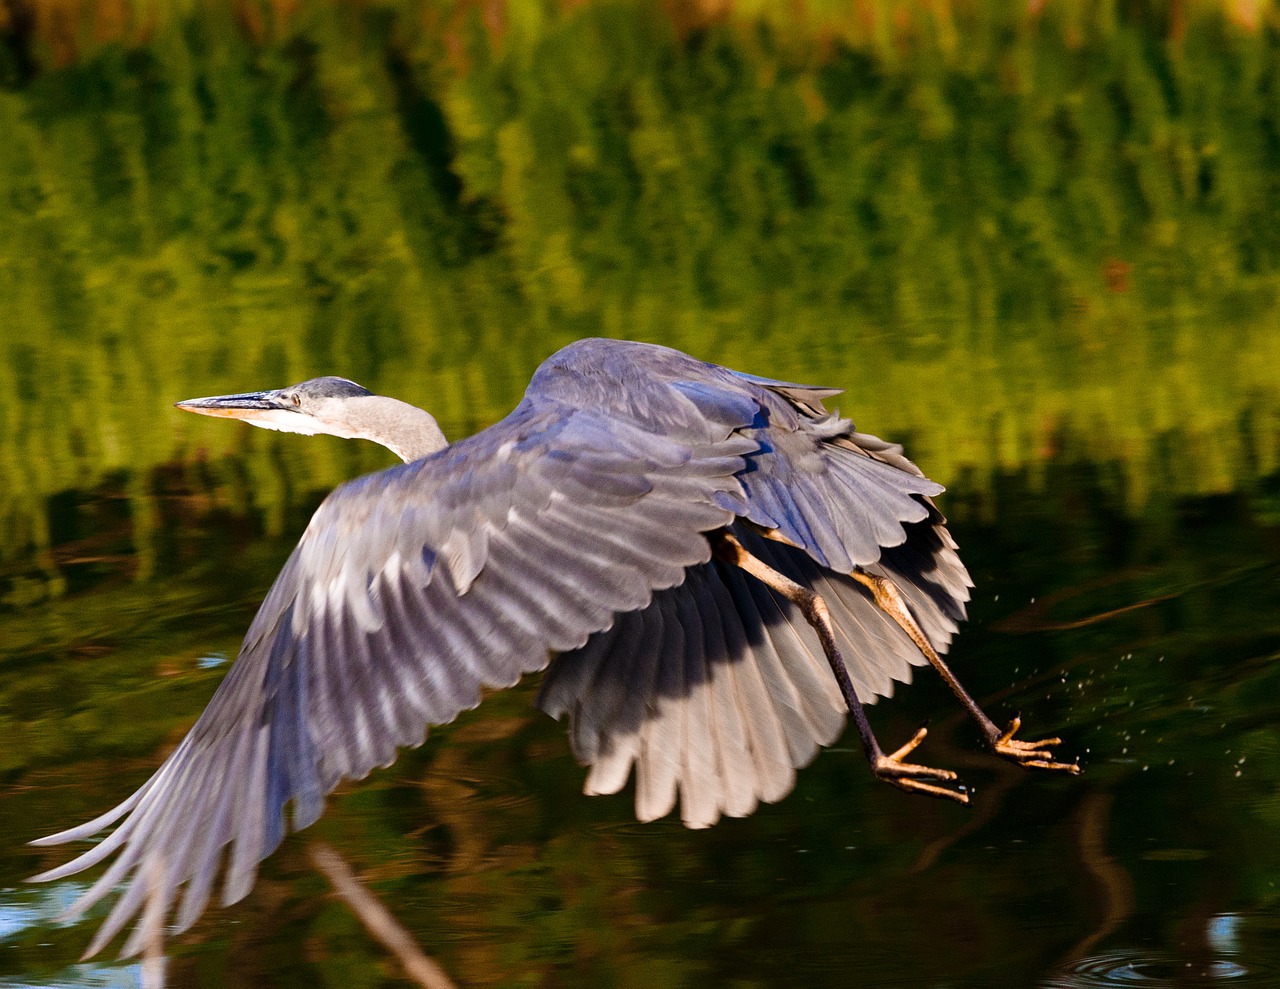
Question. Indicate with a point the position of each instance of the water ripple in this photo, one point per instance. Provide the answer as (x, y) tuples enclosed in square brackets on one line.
[(1133, 967)]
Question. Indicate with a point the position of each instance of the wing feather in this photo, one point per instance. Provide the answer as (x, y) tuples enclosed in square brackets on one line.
[(623, 701), (774, 773), (701, 785), (410, 591), (661, 735)]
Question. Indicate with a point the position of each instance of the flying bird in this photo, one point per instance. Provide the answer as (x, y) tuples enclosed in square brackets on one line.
[(712, 569)]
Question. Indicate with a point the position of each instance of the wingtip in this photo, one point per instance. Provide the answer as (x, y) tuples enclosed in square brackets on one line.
[(48, 841)]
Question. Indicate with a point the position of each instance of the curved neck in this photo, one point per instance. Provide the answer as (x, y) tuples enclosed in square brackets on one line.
[(406, 430)]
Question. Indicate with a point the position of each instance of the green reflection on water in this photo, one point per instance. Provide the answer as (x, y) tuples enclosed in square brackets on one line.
[(991, 251), (1044, 253)]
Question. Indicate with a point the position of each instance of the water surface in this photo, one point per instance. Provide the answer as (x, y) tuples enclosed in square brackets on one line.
[(1037, 250)]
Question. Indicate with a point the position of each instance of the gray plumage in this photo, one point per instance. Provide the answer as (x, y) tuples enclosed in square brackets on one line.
[(573, 528)]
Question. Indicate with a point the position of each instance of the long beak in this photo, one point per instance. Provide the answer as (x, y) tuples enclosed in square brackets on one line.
[(268, 409), (250, 406)]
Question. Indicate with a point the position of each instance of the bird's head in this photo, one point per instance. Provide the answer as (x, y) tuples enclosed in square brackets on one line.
[(326, 405), (334, 407)]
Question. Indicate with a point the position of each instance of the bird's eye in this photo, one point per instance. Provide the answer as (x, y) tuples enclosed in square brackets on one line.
[(296, 399)]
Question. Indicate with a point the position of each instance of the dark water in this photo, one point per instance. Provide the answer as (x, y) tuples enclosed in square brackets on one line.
[(1041, 252)]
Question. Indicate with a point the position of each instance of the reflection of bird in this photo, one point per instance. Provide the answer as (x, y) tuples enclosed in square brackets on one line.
[(693, 545)]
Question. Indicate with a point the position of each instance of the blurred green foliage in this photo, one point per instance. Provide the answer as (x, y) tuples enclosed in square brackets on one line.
[(1011, 236)]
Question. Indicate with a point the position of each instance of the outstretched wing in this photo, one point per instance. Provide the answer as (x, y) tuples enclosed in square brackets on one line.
[(719, 690), (410, 590)]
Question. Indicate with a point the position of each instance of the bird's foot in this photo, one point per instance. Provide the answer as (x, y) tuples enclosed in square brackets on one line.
[(906, 775), (1033, 755)]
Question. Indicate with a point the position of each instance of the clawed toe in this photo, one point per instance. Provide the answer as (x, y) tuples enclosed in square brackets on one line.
[(1032, 755), (907, 775), (915, 778)]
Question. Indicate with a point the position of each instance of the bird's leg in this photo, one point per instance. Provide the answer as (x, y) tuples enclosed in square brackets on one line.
[(904, 775), (1030, 754)]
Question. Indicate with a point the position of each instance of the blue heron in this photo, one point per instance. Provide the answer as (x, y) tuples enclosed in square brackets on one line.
[(712, 568)]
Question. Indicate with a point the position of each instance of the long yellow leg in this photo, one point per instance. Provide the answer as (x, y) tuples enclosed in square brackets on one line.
[(1030, 754), (891, 768)]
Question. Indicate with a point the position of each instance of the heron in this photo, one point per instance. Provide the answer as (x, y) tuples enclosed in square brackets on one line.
[(712, 568)]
